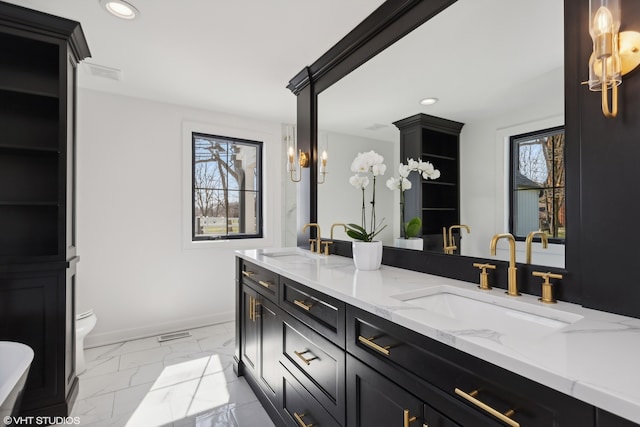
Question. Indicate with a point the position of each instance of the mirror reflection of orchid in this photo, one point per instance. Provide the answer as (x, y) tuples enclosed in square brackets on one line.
[(366, 163), (412, 227)]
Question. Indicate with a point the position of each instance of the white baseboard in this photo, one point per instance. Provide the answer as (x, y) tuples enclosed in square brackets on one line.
[(105, 338)]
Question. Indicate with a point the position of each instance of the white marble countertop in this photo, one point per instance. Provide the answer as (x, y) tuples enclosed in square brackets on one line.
[(596, 358)]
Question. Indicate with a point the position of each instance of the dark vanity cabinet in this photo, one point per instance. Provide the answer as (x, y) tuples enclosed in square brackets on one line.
[(261, 321), (38, 71), (436, 202), (465, 389), (313, 359)]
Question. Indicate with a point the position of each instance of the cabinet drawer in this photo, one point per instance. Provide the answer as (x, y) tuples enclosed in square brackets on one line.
[(317, 364), (606, 419), (262, 280), (463, 377), (320, 311), (299, 408)]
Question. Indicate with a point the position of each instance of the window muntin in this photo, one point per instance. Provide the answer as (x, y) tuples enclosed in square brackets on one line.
[(538, 184), (227, 188)]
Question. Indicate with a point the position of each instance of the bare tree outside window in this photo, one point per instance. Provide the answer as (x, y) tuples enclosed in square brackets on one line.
[(227, 197), (538, 184)]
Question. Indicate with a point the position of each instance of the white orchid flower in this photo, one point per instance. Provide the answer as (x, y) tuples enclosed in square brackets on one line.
[(406, 184), (412, 164), (360, 182), (393, 183), (378, 169), (403, 170)]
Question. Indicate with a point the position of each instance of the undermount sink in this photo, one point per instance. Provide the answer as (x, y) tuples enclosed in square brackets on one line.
[(291, 255), (473, 310)]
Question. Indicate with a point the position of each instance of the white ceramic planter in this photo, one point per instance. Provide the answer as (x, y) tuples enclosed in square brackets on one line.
[(367, 256), (410, 243)]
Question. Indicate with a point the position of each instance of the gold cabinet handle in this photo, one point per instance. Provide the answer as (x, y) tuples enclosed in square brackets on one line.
[(265, 284), (299, 419), (256, 304), (504, 417), (251, 308), (302, 304), (369, 342), (307, 361), (248, 273), (408, 420)]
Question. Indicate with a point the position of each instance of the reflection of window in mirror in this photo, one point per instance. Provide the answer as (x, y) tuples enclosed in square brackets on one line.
[(537, 184)]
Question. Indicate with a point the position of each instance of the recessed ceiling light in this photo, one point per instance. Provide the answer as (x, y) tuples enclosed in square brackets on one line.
[(429, 101), (120, 9)]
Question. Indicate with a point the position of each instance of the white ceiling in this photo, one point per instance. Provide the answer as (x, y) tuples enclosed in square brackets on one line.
[(233, 56), (481, 58)]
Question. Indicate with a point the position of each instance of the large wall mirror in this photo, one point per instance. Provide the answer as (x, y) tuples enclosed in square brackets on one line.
[(496, 67)]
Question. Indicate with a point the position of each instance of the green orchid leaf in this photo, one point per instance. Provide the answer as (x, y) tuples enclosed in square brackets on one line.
[(357, 228), (412, 228), (357, 236)]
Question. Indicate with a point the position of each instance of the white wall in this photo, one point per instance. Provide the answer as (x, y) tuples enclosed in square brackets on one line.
[(340, 202), (484, 174), (135, 270)]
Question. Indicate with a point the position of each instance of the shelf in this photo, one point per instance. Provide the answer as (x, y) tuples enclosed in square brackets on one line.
[(439, 156), (28, 230), (28, 91), (440, 209), (29, 121), (431, 182), (30, 177), (16, 149), (29, 66), (12, 203)]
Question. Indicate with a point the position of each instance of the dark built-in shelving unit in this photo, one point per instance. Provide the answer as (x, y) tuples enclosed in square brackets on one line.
[(40, 53), (437, 202)]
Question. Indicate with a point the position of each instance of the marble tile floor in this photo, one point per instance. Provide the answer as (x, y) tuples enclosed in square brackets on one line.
[(181, 383)]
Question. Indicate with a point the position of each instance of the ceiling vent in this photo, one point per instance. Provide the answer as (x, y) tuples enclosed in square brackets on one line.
[(104, 72), (376, 126)]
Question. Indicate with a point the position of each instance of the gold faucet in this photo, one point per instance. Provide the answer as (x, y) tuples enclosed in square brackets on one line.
[(513, 284), (318, 240), (547, 291), (338, 224), (530, 236), (484, 276), (452, 241), (448, 248)]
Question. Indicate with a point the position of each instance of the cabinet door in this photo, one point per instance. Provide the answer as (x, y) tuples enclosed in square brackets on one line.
[(374, 401), (271, 345), (250, 335), (433, 418), (29, 313)]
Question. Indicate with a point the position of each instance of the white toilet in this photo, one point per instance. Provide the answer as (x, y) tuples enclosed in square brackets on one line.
[(85, 323)]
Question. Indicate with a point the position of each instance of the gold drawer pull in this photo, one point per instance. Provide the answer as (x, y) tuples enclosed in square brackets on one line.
[(265, 284), (307, 361), (504, 417), (252, 304), (369, 342), (408, 420), (248, 273), (299, 419), (302, 304)]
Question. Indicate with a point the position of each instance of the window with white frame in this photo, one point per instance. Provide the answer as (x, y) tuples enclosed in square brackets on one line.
[(226, 187)]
